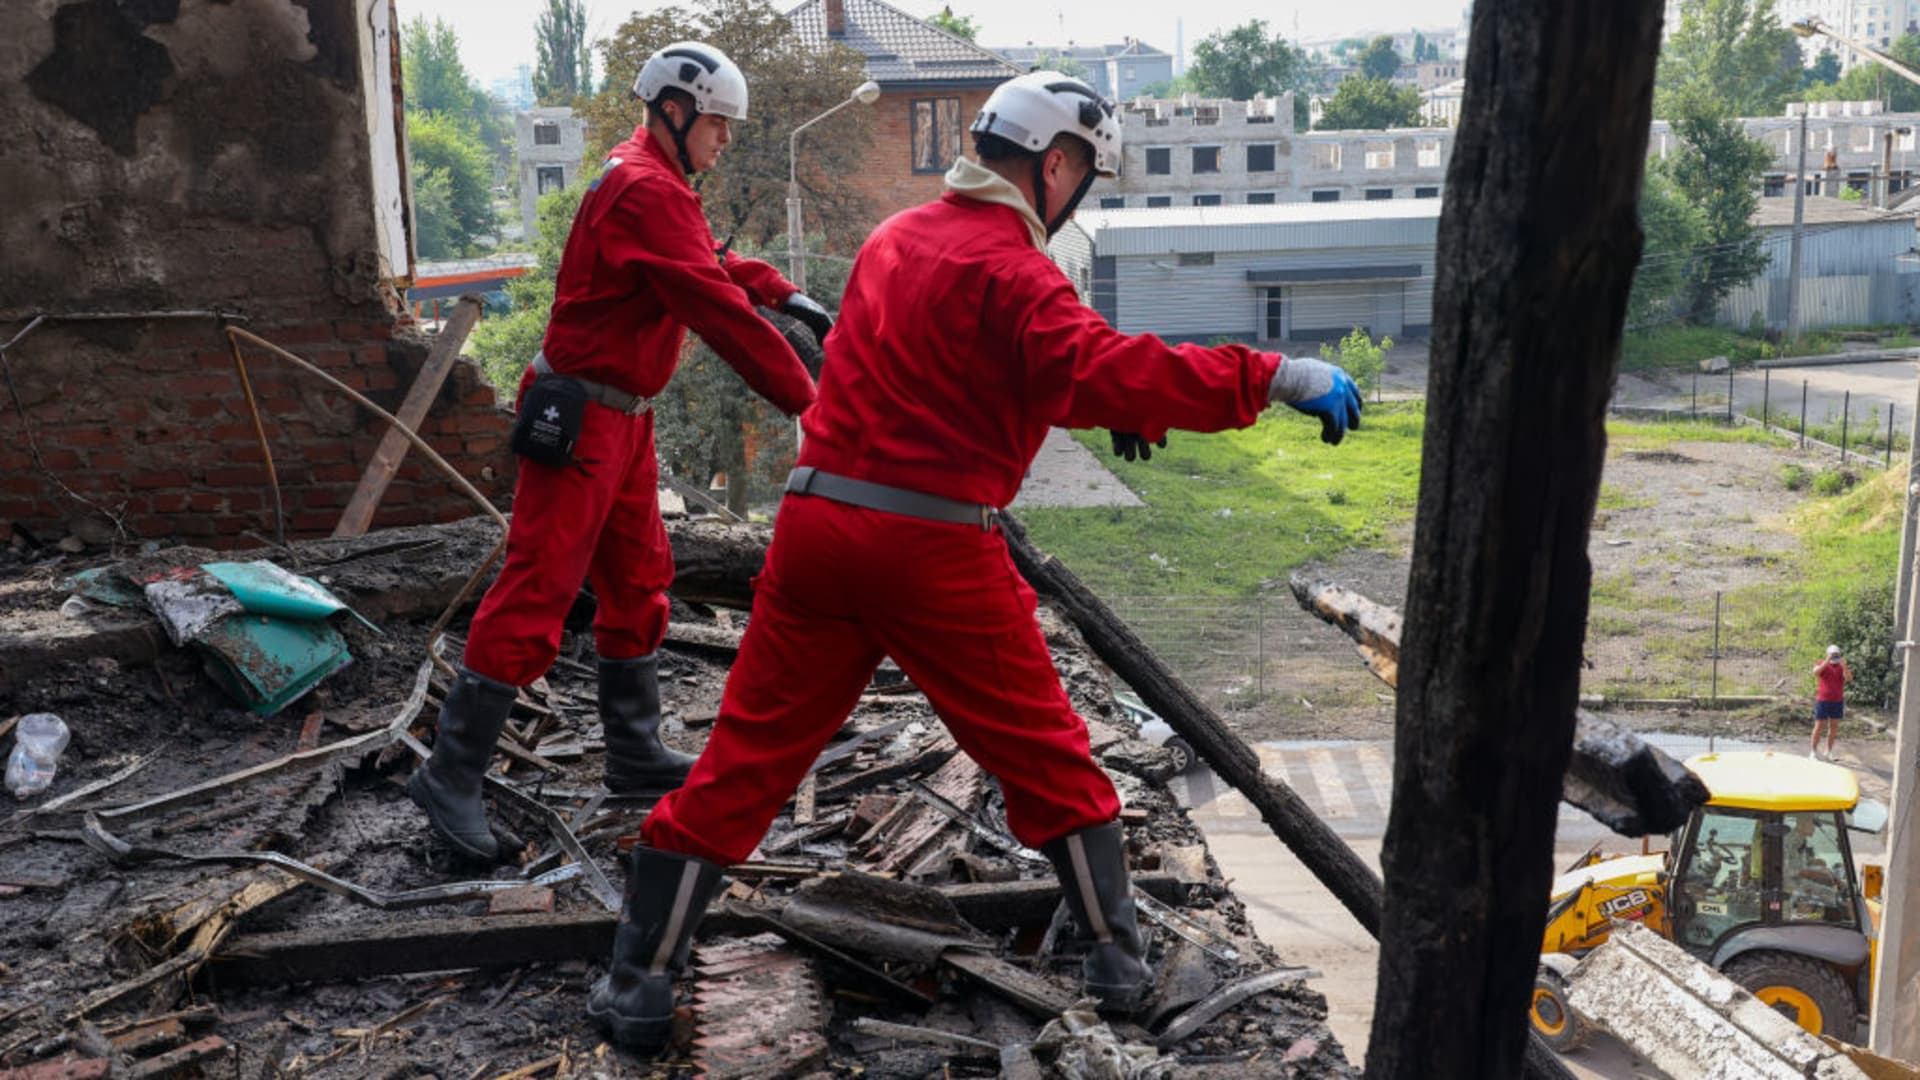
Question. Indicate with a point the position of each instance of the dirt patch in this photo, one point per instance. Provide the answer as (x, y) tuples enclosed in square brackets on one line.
[(1677, 525)]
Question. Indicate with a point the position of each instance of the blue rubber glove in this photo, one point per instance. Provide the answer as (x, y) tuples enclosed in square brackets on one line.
[(1321, 390)]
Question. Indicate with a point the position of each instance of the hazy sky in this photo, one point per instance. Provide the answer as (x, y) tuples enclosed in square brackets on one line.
[(495, 35)]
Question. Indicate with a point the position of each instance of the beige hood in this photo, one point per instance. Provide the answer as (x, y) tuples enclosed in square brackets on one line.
[(978, 182)]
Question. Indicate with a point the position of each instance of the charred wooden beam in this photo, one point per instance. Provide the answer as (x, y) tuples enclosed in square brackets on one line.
[(412, 945), (1630, 785), (1538, 240), (1329, 858)]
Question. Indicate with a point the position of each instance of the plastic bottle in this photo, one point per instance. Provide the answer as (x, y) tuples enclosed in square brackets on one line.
[(37, 742)]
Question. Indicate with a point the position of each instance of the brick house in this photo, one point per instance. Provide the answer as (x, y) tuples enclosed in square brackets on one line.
[(931, 86)]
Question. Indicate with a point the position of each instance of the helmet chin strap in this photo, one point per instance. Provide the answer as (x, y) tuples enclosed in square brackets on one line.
[(679, 133), (1053, 225)]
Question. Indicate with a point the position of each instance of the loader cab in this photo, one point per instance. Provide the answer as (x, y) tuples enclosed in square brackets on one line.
[(1762, 886), (1738, 868)]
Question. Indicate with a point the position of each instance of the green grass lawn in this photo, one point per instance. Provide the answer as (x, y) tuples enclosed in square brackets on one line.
[(1229, 511), (1659, 348)]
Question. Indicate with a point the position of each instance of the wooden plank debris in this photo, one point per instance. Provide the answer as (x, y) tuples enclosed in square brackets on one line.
[(1038, 995), (420, 397)]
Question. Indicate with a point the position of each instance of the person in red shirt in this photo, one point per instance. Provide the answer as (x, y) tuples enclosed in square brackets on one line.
[(1829, 699), (640, 267), (959, 344)]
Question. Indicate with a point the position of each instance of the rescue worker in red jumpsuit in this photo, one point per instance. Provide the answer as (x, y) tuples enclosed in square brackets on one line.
[(639, 268), (958, 345)]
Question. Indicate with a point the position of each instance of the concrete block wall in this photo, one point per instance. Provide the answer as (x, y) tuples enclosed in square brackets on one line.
[(228, 164)]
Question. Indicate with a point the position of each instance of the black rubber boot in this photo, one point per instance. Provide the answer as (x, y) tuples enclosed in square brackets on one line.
[(1092, 865), (666, 896), (637, 761), (447, 787)]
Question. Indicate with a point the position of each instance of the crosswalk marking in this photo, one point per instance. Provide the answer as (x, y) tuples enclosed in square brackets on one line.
[(1376, 769), (1334, 801)]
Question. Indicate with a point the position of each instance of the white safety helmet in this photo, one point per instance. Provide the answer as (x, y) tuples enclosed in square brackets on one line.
[(716, 84), (1030, 110)]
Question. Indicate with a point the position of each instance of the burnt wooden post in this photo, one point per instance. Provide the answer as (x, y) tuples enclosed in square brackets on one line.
[(1537, 246)]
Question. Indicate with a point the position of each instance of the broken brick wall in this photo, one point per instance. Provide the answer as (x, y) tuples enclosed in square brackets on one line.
[(210, 155)]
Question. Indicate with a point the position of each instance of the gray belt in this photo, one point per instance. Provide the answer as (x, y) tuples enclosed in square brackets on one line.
[(599, 393), (807, 480)]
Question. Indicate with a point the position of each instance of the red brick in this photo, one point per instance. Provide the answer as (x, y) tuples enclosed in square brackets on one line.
[(484, 446), (57, 459), (168, 502), (203, 408), (82, 436), (312, 521), (526, 900), (203, 501), (155, 480), (131, 412), (235, 477)]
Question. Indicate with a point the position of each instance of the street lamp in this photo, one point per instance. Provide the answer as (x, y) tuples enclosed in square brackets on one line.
[(866, 94)]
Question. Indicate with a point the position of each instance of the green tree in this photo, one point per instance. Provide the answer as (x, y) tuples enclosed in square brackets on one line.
[(1363, 103), (452, 180), (1362, 358), (564, 68), (1728, 56), (1870, 82), (1060, 62), (505, 344), (1247, 60), (1379, 60), (1825, 70), (432, 76), (1716, 169), (1419, 47), (746, 194), (1168, 88), (1674, 229), (960, 26)]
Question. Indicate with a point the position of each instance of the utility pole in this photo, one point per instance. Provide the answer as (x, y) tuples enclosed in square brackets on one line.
[(1896, 975), (1903, 579), (1886, 170), (1799, 232)]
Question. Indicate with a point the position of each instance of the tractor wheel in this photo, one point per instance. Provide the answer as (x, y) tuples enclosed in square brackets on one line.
[(1800, 988), (1552, 1017)]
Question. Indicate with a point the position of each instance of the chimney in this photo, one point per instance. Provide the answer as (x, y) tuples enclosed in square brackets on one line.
[(836, 18)]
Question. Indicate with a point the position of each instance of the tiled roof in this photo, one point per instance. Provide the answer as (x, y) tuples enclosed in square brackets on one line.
[(900, 48)]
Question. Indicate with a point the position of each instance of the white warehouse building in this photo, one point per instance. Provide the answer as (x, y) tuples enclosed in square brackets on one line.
[(1288, 272)]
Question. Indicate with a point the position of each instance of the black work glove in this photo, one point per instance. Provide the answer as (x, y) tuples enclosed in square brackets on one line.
[(1129, 446), (808, 310), (805, 345)]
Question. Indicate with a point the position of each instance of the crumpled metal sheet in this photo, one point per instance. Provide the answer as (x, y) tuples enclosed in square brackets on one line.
[(1080, 1046), (189, 604), (757, 1010)]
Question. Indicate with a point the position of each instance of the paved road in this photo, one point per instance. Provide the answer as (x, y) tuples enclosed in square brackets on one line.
[(1863, 391), (1349, 784)]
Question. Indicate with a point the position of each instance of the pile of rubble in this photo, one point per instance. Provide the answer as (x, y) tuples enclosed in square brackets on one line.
[(204, 888)]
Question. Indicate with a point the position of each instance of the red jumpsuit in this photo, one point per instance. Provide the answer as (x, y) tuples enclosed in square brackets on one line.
[(639, 269), (959, 343)]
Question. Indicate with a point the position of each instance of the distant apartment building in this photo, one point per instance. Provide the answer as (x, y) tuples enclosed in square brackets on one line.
[(515, 91), (549, 144), (1205, 152), (1850, 145), (1118, 72)]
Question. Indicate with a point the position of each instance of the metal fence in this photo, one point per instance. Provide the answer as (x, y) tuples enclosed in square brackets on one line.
[(1698, 655), (1866, 429)]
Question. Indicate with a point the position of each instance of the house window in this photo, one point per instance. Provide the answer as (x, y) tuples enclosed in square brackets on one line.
[(1379, 194), (1206, 159), (1206, 200), (1862, 138), (546, 133), (1326, 195), (1773, 185), (1156, 202), (936, 133), (1159, 161), (1259, 157), (1426, 193), (1113, 202), (1379, 155), (1326, 156), (1196, 258), (1429, 152), (549, 178), (1260, 198)]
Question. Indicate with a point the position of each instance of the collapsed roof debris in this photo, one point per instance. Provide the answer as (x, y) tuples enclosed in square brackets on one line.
[(201, 873)]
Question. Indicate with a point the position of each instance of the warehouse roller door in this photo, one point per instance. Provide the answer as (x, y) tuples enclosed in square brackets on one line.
[(1329, 311)]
